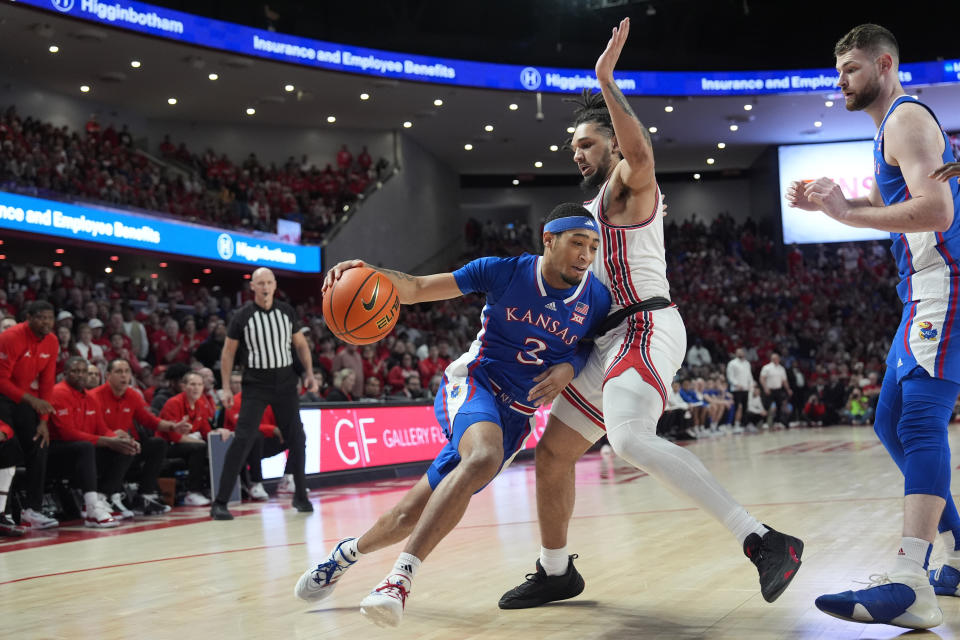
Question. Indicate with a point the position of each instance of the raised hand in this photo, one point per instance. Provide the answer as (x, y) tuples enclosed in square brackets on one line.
[(608, 59)]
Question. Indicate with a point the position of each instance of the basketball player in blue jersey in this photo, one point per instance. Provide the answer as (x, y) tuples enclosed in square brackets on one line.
[(537, 313), (622, 391), (923, 366)]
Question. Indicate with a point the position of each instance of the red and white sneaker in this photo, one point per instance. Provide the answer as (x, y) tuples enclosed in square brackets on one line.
[(99, 517), (384, 606), (37, 520)]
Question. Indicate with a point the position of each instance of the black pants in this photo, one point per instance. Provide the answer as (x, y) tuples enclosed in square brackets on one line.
[(264, 448), (146, 464), (278, 390), (24, 421), (92, 468), (780, 397), (10, 453), (195, 453), (740, 400)]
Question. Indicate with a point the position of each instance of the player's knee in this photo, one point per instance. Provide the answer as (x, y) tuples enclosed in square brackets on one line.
[(482, 461), (551, 455), (634, 440)]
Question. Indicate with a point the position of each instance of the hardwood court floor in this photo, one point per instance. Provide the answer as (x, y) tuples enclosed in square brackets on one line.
[(654, 566)]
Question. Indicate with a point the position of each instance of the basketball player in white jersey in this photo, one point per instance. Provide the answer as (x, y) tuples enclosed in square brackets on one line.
[(622, 391)]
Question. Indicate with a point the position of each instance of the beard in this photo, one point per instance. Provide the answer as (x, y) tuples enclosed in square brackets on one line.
[(864, 98), (593, 181), (570, 280)]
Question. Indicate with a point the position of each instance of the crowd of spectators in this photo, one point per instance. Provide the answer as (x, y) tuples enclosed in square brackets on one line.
[(103, 165)]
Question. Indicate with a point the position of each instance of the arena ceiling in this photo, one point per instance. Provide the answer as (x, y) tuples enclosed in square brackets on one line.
[(686, 137)]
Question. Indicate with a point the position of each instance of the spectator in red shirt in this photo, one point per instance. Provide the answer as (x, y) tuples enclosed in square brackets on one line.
[(28, 360), (432, 364), (171, 346), (372, 366), (118, 350), (364, 159), (10, 455), (344, 158), (124, 409), (397, 377), (191, 405), (96, 333), (81, 442), (116, 326)]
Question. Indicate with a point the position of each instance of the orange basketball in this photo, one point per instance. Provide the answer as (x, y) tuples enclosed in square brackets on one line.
[(362, 306)]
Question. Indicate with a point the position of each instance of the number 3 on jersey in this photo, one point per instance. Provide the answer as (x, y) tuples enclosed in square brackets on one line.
[(530, 355)]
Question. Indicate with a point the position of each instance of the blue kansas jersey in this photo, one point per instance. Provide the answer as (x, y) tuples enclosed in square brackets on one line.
[(929, 286), (527, 325)]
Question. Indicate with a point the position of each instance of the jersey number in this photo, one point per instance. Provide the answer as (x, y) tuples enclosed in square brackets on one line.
[(536, 346)]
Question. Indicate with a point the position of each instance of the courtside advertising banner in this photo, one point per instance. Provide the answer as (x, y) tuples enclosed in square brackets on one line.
[(850, 165), (119, 229), (225, 36), (359, 437)]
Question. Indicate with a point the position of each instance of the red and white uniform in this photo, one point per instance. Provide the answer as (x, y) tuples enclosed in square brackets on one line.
[(631, 262)]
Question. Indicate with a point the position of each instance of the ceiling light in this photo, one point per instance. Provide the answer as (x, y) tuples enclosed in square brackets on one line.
[(246, 276), (195, 281), (748, 107), (538, 164), (438, 102), (163, 265), (108, 270), (407, 124), (135, 64), (570, 129), (58, 251), (515, 182), (3, 256), (652, 129), (154, 275), (171, 101), (710, 160), (288, 88), (53, 48), (251, 111), (554, 147), (818, 124), (85, 88), (513, 106), (207, 271), (213, 76), (114, 258), (668, 108), (721, 145), (733, 127), (468, 147), (58, 264), (331, 119), (364, 96), (828, 103), (696, 176), (488, 128)]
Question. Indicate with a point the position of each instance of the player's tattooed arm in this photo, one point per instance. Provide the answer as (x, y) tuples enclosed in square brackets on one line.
[(391, 273), (410, 289), (621, 99)]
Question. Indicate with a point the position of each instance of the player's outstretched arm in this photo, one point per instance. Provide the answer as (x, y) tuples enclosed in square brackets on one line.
[(410, 289), (945, 172), (631, 134)]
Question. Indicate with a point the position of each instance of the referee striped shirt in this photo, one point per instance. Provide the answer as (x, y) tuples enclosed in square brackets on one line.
[(265, 335)]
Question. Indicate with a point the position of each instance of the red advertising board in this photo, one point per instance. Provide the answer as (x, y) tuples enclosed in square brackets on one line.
[(361, 436)]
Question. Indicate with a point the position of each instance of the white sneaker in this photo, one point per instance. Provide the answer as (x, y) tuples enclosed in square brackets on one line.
[(318, 583), (384, 606), (286, 486), (99, 517), (194, 499), (117, 506), (257, 492), (37, 520)]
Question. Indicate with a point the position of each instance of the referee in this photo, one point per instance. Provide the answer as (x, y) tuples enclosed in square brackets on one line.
[(267, 329)]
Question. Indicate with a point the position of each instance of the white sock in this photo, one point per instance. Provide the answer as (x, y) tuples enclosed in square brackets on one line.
[(288, 477), (349, 550), (741, 524), (406, 566), (6, 479), (949, 548), (554, 561), (913, 556), (90, 499)]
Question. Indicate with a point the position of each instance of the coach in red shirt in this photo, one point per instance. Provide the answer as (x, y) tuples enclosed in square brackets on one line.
[(82, 444), (192, 406), (121, 406), (28, 360)]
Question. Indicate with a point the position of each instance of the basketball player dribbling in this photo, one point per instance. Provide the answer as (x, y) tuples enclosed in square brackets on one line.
[(623, 388), (538, 310), (922, 380)]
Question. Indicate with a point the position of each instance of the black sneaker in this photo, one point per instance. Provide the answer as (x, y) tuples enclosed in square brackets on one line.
[(9, 528), (149, 505), (777, 558), (302, 504), (220, 512), (540, 588)]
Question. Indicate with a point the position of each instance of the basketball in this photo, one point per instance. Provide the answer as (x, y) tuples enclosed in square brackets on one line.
[(361, 307)]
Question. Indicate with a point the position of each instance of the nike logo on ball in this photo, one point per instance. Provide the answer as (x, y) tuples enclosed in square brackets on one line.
[(373, 300)]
